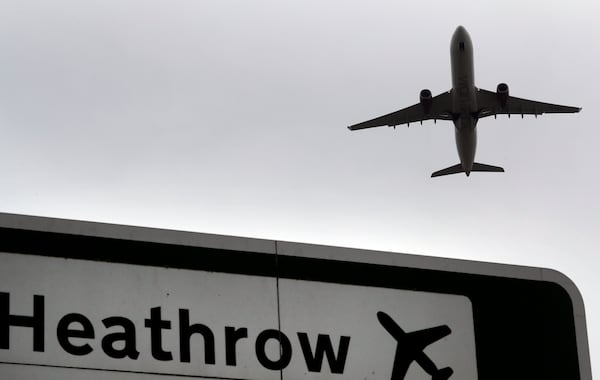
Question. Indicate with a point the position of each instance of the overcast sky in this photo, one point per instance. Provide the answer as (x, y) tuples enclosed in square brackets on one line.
[(230, 117)]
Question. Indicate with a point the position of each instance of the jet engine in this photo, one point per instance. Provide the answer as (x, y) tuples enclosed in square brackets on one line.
[(502, 94), (426, 100)]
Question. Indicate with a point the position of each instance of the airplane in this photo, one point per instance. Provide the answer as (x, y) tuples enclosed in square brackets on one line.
[(464, 105), (410, 348)]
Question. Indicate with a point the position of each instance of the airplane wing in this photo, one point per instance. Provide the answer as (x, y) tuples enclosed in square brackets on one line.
[(424, 338), (489, 104), (392, 327), (439, 108)]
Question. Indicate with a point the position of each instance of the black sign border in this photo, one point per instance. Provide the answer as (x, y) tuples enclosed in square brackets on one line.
[(524, 329)]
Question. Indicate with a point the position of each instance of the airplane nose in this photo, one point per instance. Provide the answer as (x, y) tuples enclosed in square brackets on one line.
[(460, 31), (460, 39)]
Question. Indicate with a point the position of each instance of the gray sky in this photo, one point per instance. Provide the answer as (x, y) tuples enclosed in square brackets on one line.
[(229, 117)]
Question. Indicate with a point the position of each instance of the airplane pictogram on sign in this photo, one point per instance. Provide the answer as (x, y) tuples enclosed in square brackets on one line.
[(410, 348)]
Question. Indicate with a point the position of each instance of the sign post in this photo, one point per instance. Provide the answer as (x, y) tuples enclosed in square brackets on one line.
[(91, 300)]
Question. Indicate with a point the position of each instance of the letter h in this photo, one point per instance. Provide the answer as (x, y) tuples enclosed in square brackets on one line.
[(36, 321)]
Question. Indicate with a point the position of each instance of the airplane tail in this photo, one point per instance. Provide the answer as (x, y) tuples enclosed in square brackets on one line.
[(442, 374), (477, 167)]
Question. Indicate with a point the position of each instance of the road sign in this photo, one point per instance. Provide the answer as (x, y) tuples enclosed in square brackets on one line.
[(91, 300)]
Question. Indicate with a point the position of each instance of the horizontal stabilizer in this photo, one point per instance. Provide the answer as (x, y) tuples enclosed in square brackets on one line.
[(477, 167), (443, 374), (451, 170)]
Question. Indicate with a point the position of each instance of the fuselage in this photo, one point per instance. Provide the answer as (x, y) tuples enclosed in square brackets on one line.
[(464, 97)]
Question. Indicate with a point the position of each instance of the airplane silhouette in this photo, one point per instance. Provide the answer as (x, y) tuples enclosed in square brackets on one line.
[(464, 105), (410, 348)]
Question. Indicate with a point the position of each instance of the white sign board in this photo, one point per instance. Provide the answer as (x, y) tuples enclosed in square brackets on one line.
[(139, 319), (169, 305)]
